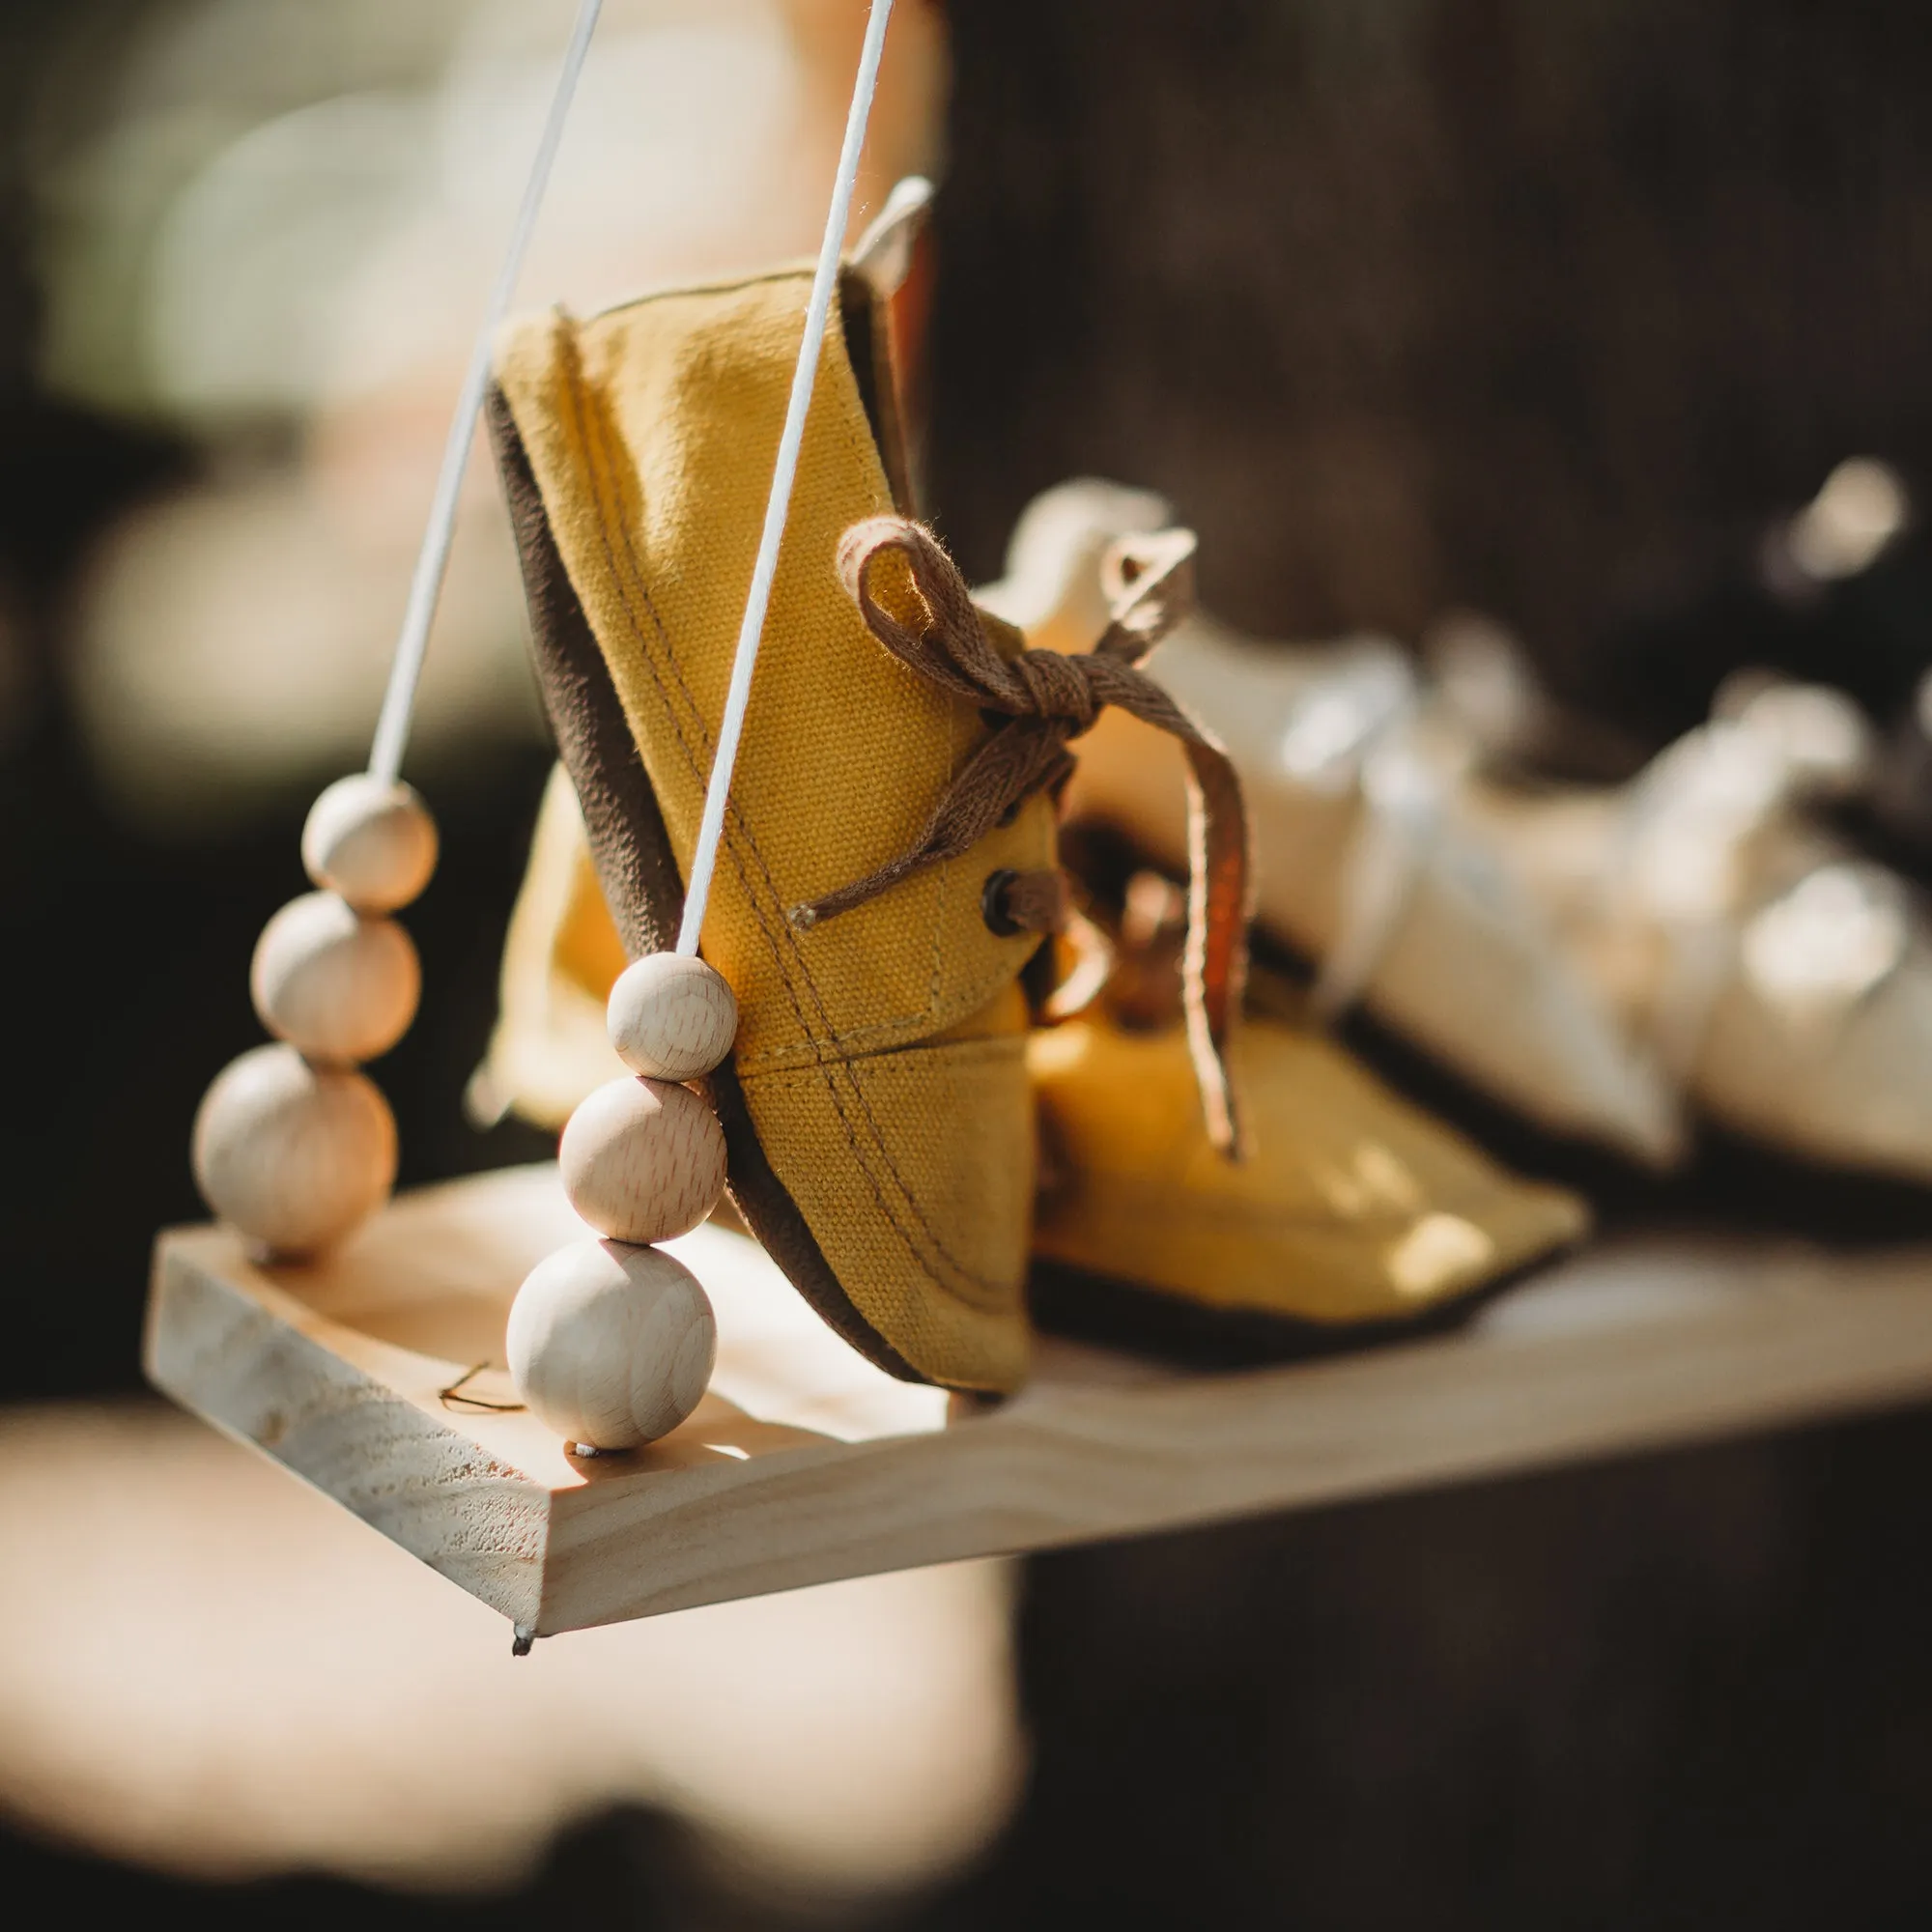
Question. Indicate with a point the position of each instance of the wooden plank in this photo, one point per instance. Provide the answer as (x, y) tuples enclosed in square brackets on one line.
[(805, 1464)]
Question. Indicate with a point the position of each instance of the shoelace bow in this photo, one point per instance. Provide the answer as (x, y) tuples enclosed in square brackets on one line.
[(1043, 700)]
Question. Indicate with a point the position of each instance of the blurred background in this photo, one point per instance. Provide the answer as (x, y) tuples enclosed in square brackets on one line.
[(1412, 307)]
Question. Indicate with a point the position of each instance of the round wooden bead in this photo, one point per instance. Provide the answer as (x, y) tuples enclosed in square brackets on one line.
[(610, 1344), (672, 1017), (338, 986), (294, 1155), (374, 844), (643, 1160)]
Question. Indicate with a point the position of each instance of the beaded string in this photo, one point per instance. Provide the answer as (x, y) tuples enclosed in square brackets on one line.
[(711, 827), (610, 1341), (392, 726), (292, 1145)]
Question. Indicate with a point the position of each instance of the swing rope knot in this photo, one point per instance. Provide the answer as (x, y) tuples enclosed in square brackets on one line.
[(916, 605)]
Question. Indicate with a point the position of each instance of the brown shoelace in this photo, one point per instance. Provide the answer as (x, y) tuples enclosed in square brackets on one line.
[(1045, 700)]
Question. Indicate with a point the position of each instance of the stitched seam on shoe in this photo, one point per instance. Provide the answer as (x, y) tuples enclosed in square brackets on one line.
[(856, 1042), (990, 1047), (591, 440)]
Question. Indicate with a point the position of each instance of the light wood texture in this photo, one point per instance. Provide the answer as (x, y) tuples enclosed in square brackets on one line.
[(670, 1017), (336, 985), (610, 1345), (804, 1463), (292, 1155), (374, 844), (643, 1160)]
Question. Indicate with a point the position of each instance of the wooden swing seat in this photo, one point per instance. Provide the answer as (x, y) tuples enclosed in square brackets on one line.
[(376, 1374)]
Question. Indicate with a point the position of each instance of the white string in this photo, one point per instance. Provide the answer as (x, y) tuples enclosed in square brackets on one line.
[(711, 828), (393, 728)]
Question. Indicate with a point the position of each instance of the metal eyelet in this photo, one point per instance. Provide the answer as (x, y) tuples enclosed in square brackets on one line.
[(993, 902)]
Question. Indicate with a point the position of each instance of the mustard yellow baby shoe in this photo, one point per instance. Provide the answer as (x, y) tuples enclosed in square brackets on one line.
[(875, 1107), (1352, 1208), (888, 859)]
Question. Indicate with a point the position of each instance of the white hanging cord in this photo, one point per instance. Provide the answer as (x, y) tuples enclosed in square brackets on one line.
[(711, 828), (393, 728)]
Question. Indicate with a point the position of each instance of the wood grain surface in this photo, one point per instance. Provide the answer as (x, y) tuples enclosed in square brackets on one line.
[(804, 1463)]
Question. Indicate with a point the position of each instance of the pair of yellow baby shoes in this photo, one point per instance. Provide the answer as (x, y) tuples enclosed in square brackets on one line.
[(904, 1073)]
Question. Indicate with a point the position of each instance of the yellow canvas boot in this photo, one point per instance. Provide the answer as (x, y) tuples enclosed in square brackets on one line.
[(875, 1106), (1352, 1208), (889, 853)]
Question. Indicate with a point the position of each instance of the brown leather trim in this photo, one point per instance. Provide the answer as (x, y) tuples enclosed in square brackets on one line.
[(638, 871), (627, 841)]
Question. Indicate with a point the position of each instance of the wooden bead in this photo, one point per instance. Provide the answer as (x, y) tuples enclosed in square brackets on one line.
[(374, 844), (672, 1017), (294, 1155), (336, 985), (643, 1160), (610, 1345)]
